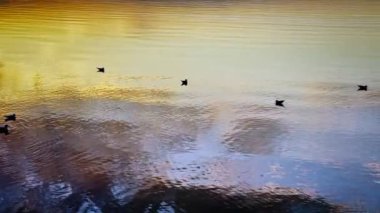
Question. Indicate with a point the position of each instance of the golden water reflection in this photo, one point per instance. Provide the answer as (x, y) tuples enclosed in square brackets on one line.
[(234, 41)]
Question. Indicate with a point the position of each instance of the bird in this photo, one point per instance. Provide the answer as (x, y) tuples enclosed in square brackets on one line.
[(184, 82), (10, 117), (280, 103), (4, 130), (362, 87), (101, 69)]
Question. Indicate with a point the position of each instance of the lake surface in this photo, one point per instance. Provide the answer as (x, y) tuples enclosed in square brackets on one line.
[(133, 140)]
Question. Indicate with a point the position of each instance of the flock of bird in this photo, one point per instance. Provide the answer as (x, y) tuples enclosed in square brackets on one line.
[(4, 129)]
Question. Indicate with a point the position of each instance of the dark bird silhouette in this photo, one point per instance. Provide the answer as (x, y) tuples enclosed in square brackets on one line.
[(101, 69), (10, 117), (4, 130), (280, 103), (362, 87), (184, 82)]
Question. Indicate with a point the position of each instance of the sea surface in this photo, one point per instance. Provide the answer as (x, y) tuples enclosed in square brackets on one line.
[(133, 140)]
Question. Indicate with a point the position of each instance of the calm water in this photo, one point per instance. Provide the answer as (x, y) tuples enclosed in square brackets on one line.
[(133, 140)]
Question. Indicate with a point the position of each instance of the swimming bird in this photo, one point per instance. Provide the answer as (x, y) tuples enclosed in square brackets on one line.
[(184, 82), (10, 117), (280, 103), (4, 129), (362, 87), (101, 69)]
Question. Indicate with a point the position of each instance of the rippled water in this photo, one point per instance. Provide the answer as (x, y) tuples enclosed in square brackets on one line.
[(133, 140)]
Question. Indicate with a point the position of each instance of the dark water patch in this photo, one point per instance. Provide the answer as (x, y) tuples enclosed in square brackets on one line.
[(213, 199), (166, 197)]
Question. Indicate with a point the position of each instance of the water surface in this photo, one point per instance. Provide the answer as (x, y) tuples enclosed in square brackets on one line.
[(132, 139)]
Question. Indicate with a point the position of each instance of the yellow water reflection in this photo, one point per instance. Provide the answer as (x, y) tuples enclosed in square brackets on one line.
[(63, 42)]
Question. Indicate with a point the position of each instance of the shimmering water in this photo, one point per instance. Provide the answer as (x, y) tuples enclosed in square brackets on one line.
[(133, 140)]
